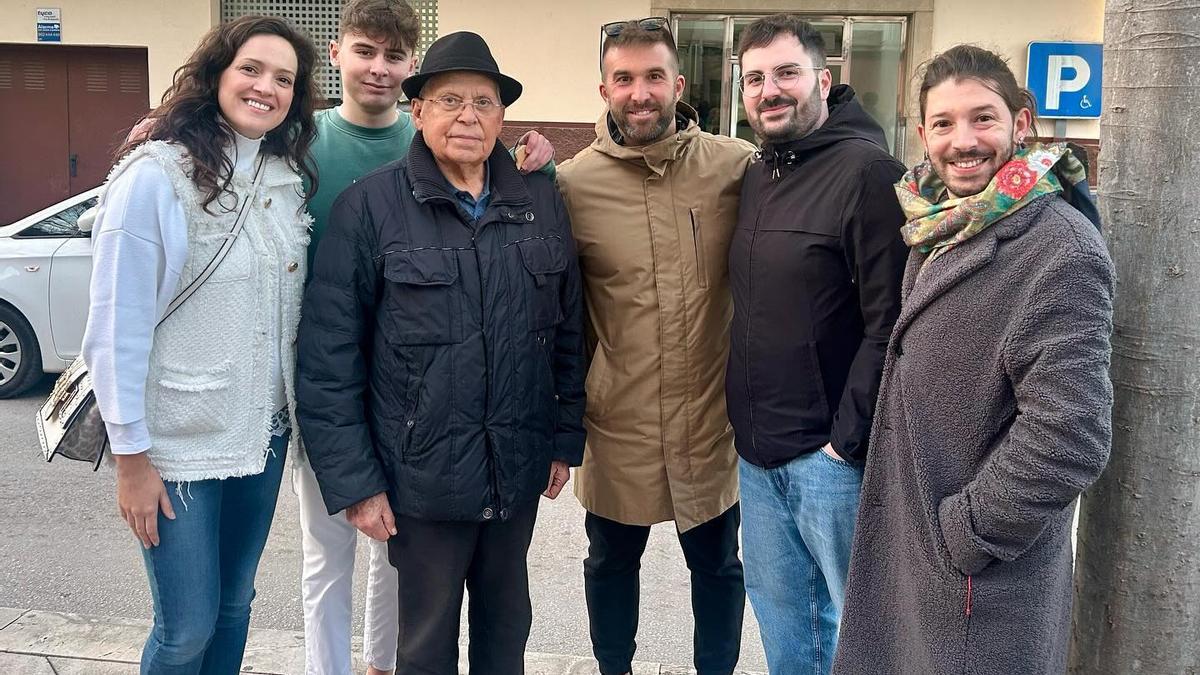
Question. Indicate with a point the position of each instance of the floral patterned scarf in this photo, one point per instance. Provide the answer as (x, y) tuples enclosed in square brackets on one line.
[(936, 224)]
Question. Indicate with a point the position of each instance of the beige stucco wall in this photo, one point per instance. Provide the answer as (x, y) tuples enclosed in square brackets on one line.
[(1008, 28), (168, 30), (551, 47), (559, 65)]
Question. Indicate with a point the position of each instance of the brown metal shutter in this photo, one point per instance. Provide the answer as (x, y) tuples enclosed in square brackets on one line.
[(63, 111)]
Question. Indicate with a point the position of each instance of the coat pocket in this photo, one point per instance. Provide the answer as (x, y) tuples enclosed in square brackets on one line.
[(597, 384), (544, 261), (698, 244), (190, 401), (421, 300)]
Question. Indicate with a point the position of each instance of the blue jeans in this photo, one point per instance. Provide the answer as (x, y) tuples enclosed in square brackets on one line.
[(797, 527), (202, 572)]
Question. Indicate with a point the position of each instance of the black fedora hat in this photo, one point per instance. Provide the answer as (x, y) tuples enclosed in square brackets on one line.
[(461, 51)]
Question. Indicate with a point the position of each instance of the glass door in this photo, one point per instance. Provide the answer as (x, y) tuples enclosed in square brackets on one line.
[(876, 73), (702, 58), (866, 53)]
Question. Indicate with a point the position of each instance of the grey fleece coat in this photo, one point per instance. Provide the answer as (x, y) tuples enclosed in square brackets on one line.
[(994, 412)]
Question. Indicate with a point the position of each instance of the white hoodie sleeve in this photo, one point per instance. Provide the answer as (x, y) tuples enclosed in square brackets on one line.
[(137, 252)]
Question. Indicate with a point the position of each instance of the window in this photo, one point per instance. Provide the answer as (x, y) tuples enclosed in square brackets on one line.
[(865, 52), (65, 223)]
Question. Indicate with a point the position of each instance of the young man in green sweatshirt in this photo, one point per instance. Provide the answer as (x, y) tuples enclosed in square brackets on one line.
[(374, 53)]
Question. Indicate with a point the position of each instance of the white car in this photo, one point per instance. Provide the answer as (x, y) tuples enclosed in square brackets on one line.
[(45, 266)]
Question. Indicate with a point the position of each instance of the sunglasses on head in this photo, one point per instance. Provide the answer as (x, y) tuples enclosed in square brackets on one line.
[(649, 23)]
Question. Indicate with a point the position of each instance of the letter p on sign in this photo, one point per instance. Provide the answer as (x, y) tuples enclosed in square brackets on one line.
[(1056, 81)]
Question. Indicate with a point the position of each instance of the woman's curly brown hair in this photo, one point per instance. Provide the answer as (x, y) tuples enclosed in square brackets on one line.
[(191, 115)]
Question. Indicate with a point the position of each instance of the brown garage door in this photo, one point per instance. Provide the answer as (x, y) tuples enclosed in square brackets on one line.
[(63, 110)]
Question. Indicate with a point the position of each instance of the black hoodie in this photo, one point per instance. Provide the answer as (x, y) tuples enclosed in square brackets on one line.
[(815, 267)]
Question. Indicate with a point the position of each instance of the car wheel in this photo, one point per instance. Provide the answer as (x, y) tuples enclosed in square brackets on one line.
[(20, 359)]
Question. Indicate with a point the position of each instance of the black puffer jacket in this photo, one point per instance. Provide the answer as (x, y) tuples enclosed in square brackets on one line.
[(814, 266), (442, 359)]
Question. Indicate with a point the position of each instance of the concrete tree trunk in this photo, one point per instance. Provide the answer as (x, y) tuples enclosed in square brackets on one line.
[(1137, 572)]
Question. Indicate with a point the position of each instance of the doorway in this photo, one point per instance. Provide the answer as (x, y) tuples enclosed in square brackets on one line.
[(63, 111), (866, 52)]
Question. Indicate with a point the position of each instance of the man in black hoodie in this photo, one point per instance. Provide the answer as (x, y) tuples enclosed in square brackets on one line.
[(815, 267)]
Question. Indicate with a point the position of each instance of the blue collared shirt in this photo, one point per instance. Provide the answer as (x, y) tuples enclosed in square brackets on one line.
[(474, 206)]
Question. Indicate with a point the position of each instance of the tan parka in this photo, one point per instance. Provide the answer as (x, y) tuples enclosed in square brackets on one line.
[(653, 225)]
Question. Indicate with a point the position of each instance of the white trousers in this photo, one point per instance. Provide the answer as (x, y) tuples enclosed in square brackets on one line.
[(326, 588)]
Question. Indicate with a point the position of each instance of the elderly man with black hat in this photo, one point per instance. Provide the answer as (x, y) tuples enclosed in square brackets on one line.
[(441, 363)]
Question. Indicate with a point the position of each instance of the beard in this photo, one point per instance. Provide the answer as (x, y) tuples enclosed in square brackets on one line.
[(799, 122), (968, 186), (646, 131)]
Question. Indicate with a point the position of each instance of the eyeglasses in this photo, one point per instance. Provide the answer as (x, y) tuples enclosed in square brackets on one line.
[(484, 107), (649, 23), (784, 76)]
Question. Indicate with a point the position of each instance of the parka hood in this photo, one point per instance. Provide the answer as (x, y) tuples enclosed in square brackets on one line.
[(847, 120), (608, 139)]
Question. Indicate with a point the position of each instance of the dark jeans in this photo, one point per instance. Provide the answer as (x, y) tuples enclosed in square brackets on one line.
[(610, 583), (434, 560), (202, 572)]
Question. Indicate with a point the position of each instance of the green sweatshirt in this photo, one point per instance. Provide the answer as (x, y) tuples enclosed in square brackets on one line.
[(344, 152)]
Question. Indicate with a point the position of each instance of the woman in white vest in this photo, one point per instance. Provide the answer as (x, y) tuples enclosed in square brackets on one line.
[(199, 408)]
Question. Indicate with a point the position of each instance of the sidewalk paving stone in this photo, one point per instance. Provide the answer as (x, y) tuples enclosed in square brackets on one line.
[(9, 615), (34, 642), (84, 667), (75, 636), (23, 664)]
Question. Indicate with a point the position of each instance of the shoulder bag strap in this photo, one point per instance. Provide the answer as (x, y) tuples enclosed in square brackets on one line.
[(225, 247)]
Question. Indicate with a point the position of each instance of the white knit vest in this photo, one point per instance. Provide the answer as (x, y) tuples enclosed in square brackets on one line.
[(209, 392)]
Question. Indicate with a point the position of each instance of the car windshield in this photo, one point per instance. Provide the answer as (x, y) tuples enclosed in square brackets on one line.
[(65, 223)]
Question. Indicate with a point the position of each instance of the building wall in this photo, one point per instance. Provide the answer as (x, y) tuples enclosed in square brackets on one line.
[(168, 30), (553, 48), (559, 67), (1008, 28)]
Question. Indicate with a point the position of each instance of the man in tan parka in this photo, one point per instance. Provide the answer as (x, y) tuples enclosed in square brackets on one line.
[(653, 203)]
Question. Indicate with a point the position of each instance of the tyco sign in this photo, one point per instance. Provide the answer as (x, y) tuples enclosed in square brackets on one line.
[(49, 24), (1065, 78)]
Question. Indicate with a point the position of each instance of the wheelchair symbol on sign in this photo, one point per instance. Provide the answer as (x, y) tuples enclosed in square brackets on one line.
[(1085, 103)]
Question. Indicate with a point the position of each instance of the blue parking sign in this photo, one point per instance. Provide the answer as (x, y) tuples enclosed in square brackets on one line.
[(1065, 78)]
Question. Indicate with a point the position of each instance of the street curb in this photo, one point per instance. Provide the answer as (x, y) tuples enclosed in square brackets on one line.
[(35, 642)]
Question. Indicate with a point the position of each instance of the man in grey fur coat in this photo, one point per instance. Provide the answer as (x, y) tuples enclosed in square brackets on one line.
[(994, 410)]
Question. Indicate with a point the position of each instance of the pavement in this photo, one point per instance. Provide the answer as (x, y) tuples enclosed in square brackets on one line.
[(74, 575), (35, 642)]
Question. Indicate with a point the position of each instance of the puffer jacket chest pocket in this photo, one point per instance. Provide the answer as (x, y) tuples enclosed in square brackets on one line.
[(422, 298), (544, 262)]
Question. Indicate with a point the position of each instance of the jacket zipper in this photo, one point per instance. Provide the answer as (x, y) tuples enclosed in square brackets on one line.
[(968, 596), (750, 291), (487, 380), (411, 422), (477, 225), (966, 661)]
